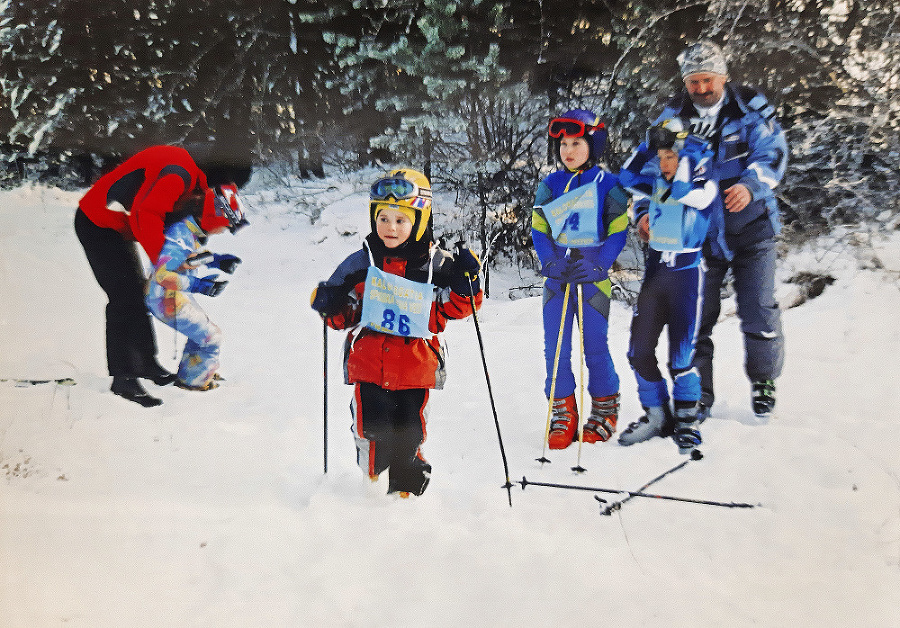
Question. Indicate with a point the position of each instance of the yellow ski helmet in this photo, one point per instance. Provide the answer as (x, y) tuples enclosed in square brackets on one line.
[(407, 191)]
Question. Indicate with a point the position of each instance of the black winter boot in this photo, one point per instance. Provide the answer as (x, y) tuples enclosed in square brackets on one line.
[(763, 397), (412, 478), (129, 388)]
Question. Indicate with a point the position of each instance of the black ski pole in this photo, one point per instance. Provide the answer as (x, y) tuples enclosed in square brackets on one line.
[(608, 510), (689, 500), (325, 393), (487, 377)]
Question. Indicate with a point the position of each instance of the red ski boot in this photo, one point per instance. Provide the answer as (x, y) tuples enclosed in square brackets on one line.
[(564, 423), (601, 425)]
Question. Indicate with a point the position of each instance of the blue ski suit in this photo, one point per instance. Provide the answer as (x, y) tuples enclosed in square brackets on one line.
[(672, 291), (612, 222), (169, 299), (749, 148)]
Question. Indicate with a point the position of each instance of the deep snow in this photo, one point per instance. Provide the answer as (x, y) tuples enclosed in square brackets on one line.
[(213, 509)]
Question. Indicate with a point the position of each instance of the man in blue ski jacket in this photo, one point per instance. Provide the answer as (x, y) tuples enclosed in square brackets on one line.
[(750, 157)]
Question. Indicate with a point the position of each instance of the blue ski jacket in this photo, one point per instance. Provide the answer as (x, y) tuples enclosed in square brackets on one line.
[(613, 217), (679, 210), (749, 148)]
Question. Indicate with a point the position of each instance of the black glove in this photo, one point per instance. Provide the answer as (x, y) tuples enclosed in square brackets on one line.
[(207, 285), (226, 262), (465, 270), (328, 300)]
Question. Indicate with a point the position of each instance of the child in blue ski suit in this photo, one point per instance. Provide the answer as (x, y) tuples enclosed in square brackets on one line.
[(177, 274), (674, 223), (579, 224)]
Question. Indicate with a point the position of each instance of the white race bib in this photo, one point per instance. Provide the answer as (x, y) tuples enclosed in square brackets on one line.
[(396, 305), (573, 217)]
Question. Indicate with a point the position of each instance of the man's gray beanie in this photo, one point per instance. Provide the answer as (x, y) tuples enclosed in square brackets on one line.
[(704, 56)]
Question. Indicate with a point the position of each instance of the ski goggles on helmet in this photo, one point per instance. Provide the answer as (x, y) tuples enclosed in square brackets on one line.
[(570, 128), (230, 206), (397, 188)]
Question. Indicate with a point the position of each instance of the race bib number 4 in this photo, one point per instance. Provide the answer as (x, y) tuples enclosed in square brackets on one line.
[(397, 306), (573, 217)]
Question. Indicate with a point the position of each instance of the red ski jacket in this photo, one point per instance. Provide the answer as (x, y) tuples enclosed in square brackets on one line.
[(396, 362), (134, 198)]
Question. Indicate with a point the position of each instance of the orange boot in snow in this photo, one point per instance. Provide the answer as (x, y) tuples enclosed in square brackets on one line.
[(601, 424), (564, 423)]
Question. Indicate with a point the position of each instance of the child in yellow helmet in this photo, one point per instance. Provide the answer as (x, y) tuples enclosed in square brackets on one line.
[(395, 295)]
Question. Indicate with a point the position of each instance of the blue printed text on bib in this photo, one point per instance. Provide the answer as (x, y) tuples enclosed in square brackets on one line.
[(573, 217), (671, 225), (395, 305)]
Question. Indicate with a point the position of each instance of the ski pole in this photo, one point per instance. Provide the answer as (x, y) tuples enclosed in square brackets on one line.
[(608, 510), (559, 339), (487, 377), (325, 393), (578, 294), (689, 500)]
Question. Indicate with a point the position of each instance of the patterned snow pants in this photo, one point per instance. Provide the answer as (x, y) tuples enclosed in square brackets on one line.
[(200, 360)]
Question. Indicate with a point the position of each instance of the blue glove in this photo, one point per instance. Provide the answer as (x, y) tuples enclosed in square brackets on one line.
[(695, 149), (207, 285), (226, 262), (584, 270), (645, 149), (555, 269), (464, 279), (328, 300)]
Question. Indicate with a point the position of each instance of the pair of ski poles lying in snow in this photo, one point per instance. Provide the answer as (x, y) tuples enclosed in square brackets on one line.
[(606, 510), (629, 495)]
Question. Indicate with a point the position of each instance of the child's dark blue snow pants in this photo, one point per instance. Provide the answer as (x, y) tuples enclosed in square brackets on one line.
[(672, 297)]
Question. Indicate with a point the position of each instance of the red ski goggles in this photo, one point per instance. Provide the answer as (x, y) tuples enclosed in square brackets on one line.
[(570, 128)]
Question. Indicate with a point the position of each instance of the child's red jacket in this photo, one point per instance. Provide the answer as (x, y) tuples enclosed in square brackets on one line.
[(397, 362)]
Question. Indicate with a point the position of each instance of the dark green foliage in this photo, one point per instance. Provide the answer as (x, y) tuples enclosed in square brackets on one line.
[(464, 88)]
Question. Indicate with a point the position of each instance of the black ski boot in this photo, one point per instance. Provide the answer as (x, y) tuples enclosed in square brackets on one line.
[(129, 388), (763, 397), (687, 432)]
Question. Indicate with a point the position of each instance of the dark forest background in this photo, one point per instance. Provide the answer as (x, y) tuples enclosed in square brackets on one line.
[(463, 89)]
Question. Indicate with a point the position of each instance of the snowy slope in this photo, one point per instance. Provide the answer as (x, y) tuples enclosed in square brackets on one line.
[(213, 509)]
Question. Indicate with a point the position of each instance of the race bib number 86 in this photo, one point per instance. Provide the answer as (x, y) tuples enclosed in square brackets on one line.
[(397, 306)]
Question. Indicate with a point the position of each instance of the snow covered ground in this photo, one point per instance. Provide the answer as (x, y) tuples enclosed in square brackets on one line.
[(213, 509)]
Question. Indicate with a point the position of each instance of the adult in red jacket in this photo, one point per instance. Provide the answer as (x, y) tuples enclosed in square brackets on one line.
[(134, 203)]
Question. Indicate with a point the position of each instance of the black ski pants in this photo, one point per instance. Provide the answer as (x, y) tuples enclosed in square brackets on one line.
[(389, 426), (130, 341)]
